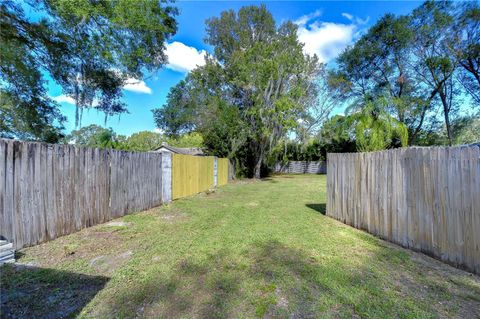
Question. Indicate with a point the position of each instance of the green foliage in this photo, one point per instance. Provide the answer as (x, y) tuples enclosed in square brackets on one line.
[(179, 114), (26, 111), (95, 136), (144, 141), (89, 48), (187, 140), (421, 66), (22, 119), (293, 151), (466, 130), (370, 129), (250, 94), (376, 130), (337, 135)]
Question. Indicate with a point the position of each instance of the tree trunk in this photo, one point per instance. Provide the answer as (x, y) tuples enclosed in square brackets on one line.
[(446, 111), (258, 167), (411, 141)]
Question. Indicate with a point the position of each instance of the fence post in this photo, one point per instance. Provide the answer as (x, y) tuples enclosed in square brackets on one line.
[(166, 177), (215, 171)]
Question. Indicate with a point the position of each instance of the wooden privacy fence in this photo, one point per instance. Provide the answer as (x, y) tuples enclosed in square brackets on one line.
[(191, 174), (47, 191), (427, 199), (301, 167), (223, 175)]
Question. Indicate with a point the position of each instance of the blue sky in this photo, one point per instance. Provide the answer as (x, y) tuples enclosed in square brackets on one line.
[(325, 27)]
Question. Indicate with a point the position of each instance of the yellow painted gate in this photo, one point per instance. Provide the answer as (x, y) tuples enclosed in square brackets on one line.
[(222, 171), (191, 174)]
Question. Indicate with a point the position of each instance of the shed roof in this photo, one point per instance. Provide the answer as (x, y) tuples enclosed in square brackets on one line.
[(196, 151)]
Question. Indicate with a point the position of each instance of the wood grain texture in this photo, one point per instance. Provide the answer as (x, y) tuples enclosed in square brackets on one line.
[(191, 174), (47, 191), (222, 171), (135, 181), (426, 199)]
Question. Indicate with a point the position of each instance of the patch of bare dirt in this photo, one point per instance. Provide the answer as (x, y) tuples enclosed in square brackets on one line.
[(282, 301), (118, 223), (107, 264), (86, 244), (245, 181), (173, 215)]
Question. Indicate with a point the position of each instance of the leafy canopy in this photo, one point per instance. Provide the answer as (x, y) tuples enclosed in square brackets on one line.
[(424, 67), (90, 48), (250, 93), (144, 141)]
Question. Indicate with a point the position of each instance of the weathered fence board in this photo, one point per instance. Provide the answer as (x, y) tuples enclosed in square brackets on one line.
[(135, 181), (47, 191), (301, 167), (427, 199)]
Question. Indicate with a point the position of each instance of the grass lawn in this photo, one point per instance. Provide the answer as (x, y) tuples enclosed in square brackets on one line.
[(251, 249)]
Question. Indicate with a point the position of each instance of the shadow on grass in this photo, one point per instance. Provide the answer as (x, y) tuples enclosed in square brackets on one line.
[(321, 207), (197, 288), (288, 281), (32, 292), (268, 280)]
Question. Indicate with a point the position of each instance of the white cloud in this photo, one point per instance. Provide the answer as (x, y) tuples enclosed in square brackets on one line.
[(348, 16), (158, 130), (134, 85), (70, 100), (327, 39), (354, 19), (138, 86), (304, 19), (64, 99), (183, 58)]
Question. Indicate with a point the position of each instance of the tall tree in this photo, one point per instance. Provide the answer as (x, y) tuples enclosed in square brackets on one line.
[(318, 108), (433, 63), (378, 67), (90, 48), (466, 47), (416, 64), (259, 80)]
